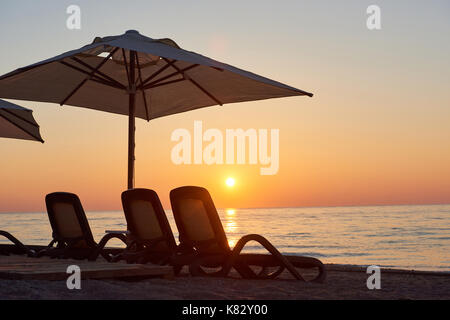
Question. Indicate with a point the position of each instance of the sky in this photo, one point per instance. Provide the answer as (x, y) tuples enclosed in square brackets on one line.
[(376, 132)]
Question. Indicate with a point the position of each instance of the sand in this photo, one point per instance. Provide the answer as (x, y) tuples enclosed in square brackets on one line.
[(343, 282)]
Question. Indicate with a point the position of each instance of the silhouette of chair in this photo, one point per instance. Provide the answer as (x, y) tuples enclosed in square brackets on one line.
[(201, 231), (150, 237), (72, 236)]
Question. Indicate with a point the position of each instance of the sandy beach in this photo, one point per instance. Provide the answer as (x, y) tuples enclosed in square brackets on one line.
[(343, 282)]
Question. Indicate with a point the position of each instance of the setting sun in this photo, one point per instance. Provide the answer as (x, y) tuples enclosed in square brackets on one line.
[(230, 182), (230, 212)]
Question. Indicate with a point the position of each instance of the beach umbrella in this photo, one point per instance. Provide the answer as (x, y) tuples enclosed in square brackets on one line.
[(138, 76), (17, 122)]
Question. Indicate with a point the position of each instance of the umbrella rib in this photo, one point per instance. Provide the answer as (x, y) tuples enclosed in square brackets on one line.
[(143, 90), (23, 129), (126, 64), (21, 118), (149, 85), (217, 68), (205, 91), (73, 92), (94, 77), (166, 83), (152, 76), (197, 85), (106, 83), (90, 75), (99, 72)]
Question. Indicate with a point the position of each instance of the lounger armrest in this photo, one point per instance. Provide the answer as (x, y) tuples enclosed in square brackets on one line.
[(17, 243), (126, 232), (268, 246)]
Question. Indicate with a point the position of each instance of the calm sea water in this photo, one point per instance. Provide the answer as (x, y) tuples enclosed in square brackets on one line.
[(412, 237)]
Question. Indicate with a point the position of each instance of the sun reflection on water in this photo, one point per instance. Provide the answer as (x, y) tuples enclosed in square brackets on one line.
[(230, 225)]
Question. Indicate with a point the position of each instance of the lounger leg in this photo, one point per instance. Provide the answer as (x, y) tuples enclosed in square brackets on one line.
[(195, 266), (100, 247), (269, 247), (244, 270), (272, 275), (309, 262)]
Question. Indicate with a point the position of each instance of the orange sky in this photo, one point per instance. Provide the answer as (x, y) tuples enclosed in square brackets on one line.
[(376, 131)]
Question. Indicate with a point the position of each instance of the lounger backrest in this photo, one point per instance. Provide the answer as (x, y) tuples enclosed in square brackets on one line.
[(197, 220), (68, 219), (146, 218)]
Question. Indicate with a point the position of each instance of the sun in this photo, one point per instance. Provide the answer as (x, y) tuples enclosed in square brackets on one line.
[(230, 182)]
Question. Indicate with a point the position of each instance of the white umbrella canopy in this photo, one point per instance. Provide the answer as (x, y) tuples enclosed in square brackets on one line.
[(17, 122), (135, 75)]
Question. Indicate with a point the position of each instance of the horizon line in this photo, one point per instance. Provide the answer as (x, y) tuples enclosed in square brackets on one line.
[(274, 207)]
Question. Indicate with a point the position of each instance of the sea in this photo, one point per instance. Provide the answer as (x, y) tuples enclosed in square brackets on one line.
[(413, 237)]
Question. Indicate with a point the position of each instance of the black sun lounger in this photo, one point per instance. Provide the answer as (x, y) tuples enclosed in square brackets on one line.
[(150, 237), (200, 228), (72, 236)]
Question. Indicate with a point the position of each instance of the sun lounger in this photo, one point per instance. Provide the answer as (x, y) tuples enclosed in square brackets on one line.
[(201, 230), (72, 236), (150, 236)]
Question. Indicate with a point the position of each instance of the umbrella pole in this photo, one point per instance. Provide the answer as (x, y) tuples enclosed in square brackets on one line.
[(131, 137), (131, 123)]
